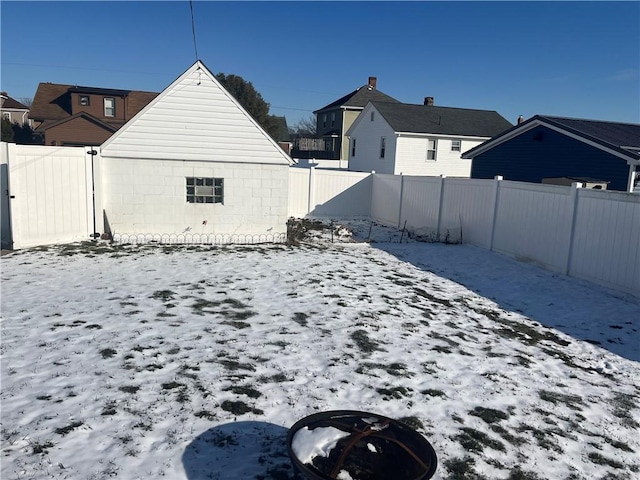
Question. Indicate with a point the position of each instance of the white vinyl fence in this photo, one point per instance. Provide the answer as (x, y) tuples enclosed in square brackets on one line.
[(47, 195), (589, 234)]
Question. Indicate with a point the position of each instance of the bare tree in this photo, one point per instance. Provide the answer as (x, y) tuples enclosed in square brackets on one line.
[(305, 126), (26, 101)]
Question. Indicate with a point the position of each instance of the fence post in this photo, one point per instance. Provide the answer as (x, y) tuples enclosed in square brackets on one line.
[(574, 205), (401, 197), (372, 176), (312, 188), (440, 201), (496, 199)]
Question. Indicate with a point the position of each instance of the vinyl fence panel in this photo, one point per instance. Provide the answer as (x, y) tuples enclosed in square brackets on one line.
[(606, 239), (385, 198), (50, 194), (533, 223)]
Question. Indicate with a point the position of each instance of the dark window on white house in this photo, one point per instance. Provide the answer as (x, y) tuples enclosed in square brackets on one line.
[(109, 107), (432, 147), (353, 147), (324, 120), (456, 145), (84, 100), (205, 190), (383, 146), (373, 115)]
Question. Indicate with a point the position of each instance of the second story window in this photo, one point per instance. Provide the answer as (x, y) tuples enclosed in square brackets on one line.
[(432, 148), (324, 121), (333, 119), (373, 116), (383, 146), (353, 147), (84, 100), (109, 107), (456, 145)]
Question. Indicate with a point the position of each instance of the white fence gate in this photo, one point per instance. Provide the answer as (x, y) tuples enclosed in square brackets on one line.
[(47, 195)]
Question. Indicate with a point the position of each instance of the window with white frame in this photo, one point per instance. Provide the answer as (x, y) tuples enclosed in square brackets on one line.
[(6, 116), (383, 146), (432, 147), (456, 145), (109, 107), (353, 147), (205, 190), (84, 100)]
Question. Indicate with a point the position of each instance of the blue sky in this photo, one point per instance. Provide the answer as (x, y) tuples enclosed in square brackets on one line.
[(574, 59)]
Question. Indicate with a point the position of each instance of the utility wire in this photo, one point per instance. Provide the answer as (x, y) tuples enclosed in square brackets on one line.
[(193, 30)]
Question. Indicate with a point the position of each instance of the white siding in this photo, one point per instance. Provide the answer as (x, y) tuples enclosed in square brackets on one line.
[(368, 134), (411, 156), (195, 118), (149, 197)]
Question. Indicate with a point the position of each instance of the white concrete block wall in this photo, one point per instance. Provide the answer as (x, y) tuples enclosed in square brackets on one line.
[(148, 197)]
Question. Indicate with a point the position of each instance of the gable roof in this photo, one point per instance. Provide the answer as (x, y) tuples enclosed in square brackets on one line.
[(195, 118), (429, 119), (84, 116), (52, 101), (620, 139), (358, 99), (12, 103)]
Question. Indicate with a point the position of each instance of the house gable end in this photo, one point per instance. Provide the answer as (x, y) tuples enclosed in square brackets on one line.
[(195, 118)]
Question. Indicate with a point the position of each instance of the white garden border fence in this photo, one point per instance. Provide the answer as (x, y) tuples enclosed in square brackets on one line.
[(589, 234)]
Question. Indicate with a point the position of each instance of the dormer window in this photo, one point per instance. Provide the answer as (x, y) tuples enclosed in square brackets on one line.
[(83, 100), (109, 107)]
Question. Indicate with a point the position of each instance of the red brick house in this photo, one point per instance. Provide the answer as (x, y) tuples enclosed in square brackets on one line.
[(73, 115)]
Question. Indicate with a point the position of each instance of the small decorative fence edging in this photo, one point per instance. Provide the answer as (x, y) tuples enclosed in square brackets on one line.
[(199, 239)]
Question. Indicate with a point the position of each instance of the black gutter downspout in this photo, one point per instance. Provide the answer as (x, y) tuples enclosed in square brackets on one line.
[(95, 234)]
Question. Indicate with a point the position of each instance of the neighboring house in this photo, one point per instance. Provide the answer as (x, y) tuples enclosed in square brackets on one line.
[(72, 115), (13, 110), (334, 120), (399, 138), (194, 164), (544, 147)]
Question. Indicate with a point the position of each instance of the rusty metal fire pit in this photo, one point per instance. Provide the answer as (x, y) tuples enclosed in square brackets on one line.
[(352, 445)]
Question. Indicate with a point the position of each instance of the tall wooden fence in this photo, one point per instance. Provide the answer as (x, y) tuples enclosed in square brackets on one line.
[(589, 234)]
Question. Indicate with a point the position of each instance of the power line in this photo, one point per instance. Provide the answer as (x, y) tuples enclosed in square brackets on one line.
[(193, 30)]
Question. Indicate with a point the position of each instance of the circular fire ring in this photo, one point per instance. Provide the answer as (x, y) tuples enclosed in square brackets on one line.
[(353, 445)]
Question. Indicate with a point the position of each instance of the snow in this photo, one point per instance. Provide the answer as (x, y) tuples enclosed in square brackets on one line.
[(309, 444), (189, 362)]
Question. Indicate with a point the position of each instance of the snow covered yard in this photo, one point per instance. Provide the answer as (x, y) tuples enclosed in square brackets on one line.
[(190, 362)]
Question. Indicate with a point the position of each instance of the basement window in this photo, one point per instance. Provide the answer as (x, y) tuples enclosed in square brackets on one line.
[(205, 190)]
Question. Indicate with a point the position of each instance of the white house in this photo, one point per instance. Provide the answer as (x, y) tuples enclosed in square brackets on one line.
[(397, 138), (193, 164)]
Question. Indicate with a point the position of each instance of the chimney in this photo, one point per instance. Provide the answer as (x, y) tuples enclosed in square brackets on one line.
[(428, 101), (520, 119), (372, 82)]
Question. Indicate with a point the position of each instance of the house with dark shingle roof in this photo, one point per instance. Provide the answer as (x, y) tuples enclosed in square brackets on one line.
[(75, 115), (334, 120), (399, 138), (13, 110), (545, 147)]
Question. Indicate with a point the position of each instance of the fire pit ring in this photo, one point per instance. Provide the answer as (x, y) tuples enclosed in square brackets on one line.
[(353, 445)]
